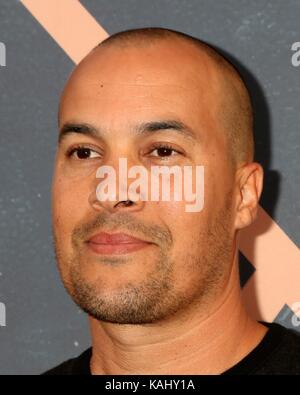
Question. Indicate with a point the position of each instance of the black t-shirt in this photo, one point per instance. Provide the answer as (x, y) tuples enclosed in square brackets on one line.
[(277, 353)]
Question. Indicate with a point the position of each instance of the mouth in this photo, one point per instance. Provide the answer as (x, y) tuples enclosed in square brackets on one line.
[(115, 243)]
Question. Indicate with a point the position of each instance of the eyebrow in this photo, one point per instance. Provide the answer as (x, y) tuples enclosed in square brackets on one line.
[(141, 129), (77, 128), (171, 124)]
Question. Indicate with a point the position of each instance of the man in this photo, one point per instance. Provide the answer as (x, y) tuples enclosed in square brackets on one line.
[(160, 284)]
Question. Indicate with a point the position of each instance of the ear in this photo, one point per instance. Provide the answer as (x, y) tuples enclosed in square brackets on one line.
[(248, 191)]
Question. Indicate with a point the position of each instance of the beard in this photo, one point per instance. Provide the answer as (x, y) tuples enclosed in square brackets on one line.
[(158, 296)]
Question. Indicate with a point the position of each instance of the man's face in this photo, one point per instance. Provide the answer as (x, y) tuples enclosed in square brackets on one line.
[(188, 254)]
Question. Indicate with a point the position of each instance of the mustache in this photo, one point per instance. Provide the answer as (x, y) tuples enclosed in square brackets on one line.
[(121, 222)]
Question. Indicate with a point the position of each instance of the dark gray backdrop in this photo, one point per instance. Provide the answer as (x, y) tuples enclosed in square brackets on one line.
[(43, 326)]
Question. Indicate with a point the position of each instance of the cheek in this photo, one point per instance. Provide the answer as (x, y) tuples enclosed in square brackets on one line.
[(189, 244), (184, 226), (69, 202), (219, 171)]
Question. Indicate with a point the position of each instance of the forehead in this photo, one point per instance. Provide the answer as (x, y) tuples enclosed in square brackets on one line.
[(126, 84)]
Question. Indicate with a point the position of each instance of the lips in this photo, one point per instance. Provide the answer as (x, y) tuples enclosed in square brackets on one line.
[(114, 238), (115, 243)]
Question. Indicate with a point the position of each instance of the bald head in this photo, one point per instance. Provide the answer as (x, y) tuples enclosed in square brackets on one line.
[(235, 108)]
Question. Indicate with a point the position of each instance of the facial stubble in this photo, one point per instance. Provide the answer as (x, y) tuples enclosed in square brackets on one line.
[(156, 297)]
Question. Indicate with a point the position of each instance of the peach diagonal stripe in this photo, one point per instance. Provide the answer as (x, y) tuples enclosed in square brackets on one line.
[(69, 23), (277, 261), (276, 257)]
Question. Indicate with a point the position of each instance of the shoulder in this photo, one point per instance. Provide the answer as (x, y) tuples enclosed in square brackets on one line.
[(285, 355), (65, 368), (287, 337), (74, 366), (277, 353)]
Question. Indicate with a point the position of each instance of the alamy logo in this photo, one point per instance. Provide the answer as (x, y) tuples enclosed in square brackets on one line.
[(166, 190), (296, 56), (296, 317), (2, 54), (2, 314)]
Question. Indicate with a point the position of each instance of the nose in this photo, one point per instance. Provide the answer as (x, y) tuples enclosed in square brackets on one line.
[(115, 205), (115, 197)]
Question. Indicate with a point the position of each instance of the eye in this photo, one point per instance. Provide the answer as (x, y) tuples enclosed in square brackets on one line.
[(82, 153), (164, 150)]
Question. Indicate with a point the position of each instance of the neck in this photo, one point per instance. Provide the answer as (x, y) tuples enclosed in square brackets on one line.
[(194, 342)]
